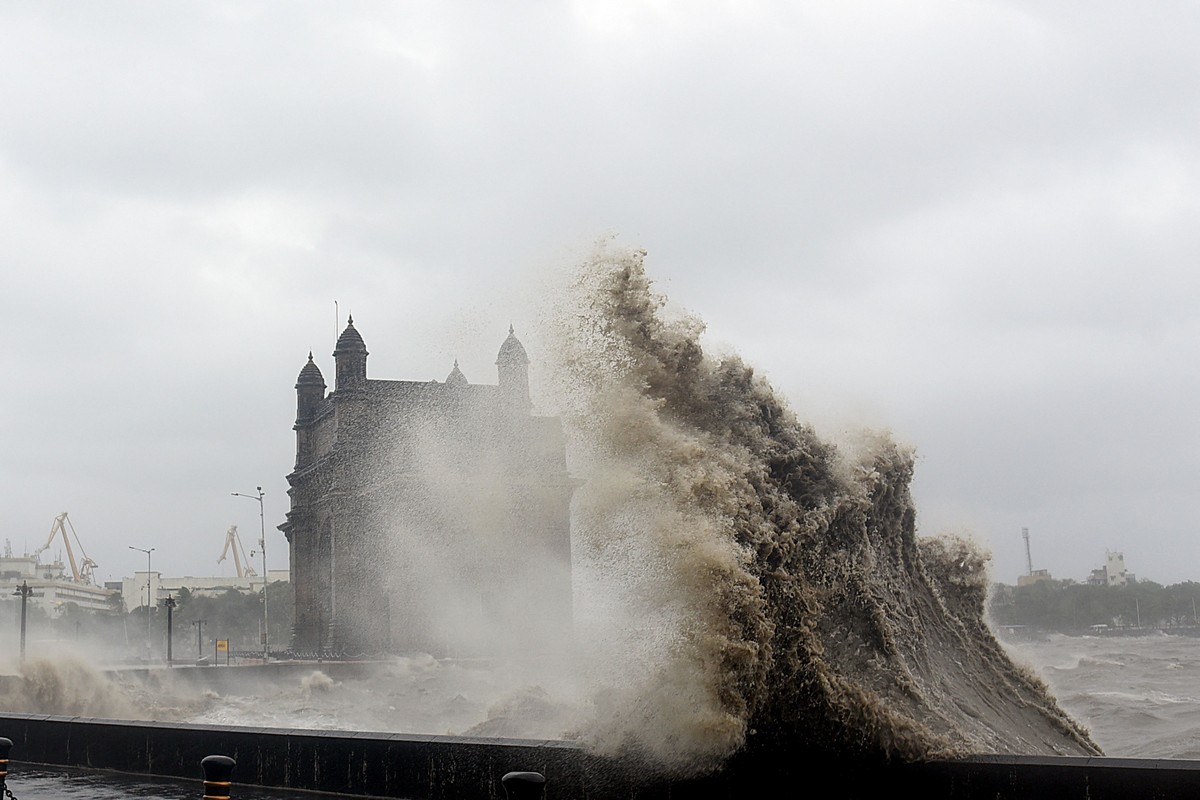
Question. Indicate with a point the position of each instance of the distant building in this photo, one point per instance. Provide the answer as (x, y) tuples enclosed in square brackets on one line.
[(427, 516), (1114, 568), (1112, 573), (52, 588), (1037, 576), (133, 590)]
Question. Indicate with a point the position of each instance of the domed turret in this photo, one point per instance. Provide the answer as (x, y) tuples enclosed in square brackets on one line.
[(350, 355), (512, 351), (310, 375), (456, 378), (351, 340), (512, 366), (310, 389)]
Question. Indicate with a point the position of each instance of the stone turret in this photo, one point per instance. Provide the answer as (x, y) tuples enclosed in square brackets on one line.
[(512, 366), (350, 355), (456, 378), (310, 389)]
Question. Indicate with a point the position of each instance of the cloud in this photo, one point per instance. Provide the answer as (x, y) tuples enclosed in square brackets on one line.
[(968, 222)]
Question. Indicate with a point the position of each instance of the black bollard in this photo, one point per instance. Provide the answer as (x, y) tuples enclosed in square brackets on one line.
[(524, 785), (5, 749), (218, 776)]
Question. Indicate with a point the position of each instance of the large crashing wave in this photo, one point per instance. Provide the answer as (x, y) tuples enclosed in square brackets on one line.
[(749, 585)]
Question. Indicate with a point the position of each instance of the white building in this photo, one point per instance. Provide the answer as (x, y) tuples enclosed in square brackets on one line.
[(52, 588), (1112, 573), (133, 590), (1114, 568)]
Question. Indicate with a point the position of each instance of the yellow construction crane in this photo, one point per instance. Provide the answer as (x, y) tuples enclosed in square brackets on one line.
[(234, 542), (81, 572)]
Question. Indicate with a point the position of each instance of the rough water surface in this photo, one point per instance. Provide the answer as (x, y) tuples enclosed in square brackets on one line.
[(1137, 694), (770, 586)]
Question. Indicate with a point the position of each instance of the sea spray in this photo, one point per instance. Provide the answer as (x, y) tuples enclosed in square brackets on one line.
[(67, 685), (741, 583), (315, 682)]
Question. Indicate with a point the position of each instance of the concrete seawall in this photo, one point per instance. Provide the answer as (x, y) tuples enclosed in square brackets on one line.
[(339, 762), (462, 768)]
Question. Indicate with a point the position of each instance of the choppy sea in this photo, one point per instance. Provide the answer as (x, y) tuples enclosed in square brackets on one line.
[(1139, 696)]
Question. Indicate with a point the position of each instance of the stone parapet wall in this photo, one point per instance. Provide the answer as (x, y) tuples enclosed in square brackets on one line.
[(461, 768)]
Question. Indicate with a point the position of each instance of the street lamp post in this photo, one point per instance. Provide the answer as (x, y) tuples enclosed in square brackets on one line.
[(170, 604), (148, 600), (24, 592), (262, 547)]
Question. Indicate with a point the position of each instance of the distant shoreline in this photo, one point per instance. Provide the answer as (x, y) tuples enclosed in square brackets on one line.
[(1027, 632)]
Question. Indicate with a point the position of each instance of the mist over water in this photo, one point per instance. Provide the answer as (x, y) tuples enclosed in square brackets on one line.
[(66, 684), (739, 583)]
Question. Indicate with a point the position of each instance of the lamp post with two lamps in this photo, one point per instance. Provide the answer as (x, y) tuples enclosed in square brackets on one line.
[(262, 546), (149, 600)]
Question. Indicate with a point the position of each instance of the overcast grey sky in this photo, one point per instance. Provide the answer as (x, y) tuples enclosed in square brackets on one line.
[(971, 223)]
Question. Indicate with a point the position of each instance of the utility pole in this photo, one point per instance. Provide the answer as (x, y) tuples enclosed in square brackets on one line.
[(1028, 557), (149, 599), (262, 546), (199, 623)]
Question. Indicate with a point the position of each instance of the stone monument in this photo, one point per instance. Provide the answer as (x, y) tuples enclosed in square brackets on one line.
[(427, 516)]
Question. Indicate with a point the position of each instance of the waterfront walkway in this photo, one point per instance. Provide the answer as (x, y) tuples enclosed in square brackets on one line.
[(42, 782)]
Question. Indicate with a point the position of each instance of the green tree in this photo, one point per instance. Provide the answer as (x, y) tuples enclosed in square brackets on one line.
[(1072, 607)]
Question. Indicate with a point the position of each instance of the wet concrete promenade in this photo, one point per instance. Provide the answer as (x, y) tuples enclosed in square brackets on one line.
[(42, 782)]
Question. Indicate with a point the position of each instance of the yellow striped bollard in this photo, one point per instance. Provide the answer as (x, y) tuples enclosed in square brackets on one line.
[(218, 775)]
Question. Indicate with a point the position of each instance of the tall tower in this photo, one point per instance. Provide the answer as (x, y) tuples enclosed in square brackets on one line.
[(1028, 557), (350, 355), (512, 366)]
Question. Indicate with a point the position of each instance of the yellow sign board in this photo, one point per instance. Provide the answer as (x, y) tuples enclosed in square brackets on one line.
[(222, 645)]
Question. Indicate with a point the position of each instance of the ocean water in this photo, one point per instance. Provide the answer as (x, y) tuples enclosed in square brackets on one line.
[(1139, 696)]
